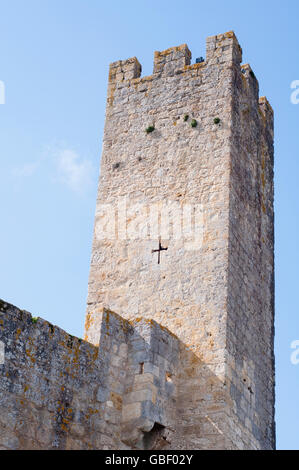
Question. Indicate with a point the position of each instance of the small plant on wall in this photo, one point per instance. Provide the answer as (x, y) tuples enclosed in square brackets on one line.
[(216, 120), (150, 129), (193, 123)]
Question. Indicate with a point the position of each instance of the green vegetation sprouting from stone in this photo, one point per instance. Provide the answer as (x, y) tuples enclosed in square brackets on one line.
[(34, 319), (149, 129), (186, 117), (193, 123), (216, 120)]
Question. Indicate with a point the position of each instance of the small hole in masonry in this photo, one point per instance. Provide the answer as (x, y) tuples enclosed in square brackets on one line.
[(141, 368), (168, 377), (154, 439)]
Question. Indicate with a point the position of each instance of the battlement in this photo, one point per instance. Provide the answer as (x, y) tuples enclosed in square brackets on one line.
[(223, 53), (172, 59), (175, 60)]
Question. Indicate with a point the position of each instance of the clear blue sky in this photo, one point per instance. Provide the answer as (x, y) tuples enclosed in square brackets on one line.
[(54, 57)]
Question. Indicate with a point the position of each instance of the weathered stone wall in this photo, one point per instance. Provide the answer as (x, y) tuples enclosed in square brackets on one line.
[(48, 387), (59, 392), (218, 297), (250, 326)]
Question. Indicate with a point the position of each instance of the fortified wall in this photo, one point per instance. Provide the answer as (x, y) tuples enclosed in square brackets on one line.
[(60, 392), (130, 392)]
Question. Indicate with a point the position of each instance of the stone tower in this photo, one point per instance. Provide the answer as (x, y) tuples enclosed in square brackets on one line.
[(187, 166)]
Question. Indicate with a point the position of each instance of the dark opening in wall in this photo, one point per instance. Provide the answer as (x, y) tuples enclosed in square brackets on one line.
[(141, 368), (155, 439)]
